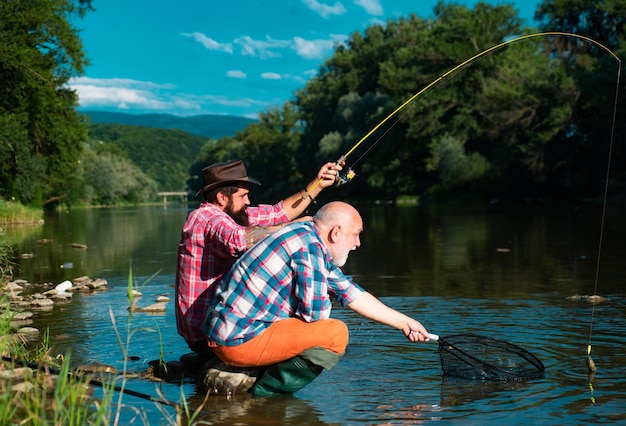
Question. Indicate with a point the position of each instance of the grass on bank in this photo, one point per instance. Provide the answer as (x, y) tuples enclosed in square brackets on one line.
[(7, 258), (14, 213)]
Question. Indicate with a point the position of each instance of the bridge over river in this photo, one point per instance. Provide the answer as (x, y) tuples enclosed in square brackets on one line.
[(182, 195)]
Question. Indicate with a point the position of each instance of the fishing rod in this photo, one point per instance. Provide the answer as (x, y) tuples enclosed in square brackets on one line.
[(347, 176), (94, 382)]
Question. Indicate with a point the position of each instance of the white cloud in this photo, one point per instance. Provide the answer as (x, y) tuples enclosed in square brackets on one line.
[(312, 49), (230, 102), (121, 93), (271, 48), (120, 82), (261, 48), (277, 76), (273, 76), (128, 94), (236, 74), (372, 7), (209, 43), (325, 10), (377, 21)]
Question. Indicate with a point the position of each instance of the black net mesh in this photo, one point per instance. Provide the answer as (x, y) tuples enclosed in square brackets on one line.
[(473, 357)]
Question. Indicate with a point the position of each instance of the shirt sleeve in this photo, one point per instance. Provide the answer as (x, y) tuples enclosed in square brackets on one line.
[(316, 278), (267, 215)]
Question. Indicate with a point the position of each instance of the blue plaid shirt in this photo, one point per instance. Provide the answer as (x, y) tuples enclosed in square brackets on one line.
[(287, 274)]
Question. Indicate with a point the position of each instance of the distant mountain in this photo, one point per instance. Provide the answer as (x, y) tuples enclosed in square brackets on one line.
[(208, 126)]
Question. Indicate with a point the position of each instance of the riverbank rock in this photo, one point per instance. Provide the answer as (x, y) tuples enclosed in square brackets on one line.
[(162, 298), (85, 283), (594, 298), (155, 308), (28, 333), (95, 369), (25, 298), (16, 377)]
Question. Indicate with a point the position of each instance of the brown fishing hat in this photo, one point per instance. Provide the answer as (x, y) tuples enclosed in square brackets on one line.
[(224, 174)]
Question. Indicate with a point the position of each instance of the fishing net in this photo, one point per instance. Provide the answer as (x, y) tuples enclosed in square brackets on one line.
[(473, 357)]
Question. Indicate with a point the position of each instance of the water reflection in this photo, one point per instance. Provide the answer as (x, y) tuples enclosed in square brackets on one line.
[(247, 410), (148, 236), (489, 270)]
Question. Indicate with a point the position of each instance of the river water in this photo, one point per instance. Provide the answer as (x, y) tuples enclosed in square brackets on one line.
[(494, 270)]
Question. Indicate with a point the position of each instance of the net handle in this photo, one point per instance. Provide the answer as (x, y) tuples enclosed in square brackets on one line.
[(433, 337)]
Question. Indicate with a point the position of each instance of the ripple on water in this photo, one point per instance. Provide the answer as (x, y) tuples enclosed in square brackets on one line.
[(383, 378)]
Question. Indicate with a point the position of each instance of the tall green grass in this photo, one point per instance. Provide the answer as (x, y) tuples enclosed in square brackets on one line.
[(12, 212), (7, 257)]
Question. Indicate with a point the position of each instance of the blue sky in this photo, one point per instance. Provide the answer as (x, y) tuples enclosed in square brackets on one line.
[(236, 57)]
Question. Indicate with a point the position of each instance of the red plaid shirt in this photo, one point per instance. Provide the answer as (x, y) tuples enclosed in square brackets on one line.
[(210, 243)]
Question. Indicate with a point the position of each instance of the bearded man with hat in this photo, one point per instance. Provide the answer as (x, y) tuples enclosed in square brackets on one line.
[(220, 230)]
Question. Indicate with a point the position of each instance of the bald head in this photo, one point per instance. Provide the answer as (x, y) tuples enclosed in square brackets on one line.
[(337, 213), (339, 225)]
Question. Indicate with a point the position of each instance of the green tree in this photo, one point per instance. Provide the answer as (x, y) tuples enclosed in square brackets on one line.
[(110, 179), (586, 142), (270, 150), (42, 134), (522, 107), (455, 167), (602, 20), (379, 70), (162, 154), (530, 109)]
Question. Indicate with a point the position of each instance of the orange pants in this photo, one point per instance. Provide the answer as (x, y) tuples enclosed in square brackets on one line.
[(285, 339)]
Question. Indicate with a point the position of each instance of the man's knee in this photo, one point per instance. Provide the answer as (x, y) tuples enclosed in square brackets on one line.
[(338, 335)]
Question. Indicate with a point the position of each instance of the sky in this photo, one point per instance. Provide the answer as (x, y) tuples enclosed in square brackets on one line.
[(223, 57)]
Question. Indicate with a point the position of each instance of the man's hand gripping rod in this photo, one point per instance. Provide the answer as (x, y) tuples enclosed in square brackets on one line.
[(340, 179)]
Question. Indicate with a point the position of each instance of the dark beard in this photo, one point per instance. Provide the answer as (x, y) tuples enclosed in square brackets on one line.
[(240, 217)]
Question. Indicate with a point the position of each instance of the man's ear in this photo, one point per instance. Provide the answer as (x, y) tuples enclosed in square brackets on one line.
[(334, 234), (221, 199)]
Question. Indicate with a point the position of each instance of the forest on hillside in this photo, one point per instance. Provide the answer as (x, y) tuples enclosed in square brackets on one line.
[(162, 155), (534, 116)]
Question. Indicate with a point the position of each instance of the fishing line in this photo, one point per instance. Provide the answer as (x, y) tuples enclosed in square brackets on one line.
[(590, 363), (389, 128), (350, 173), (380, 137)]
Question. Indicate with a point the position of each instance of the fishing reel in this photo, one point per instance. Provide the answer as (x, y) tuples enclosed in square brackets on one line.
[(345, 177)]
